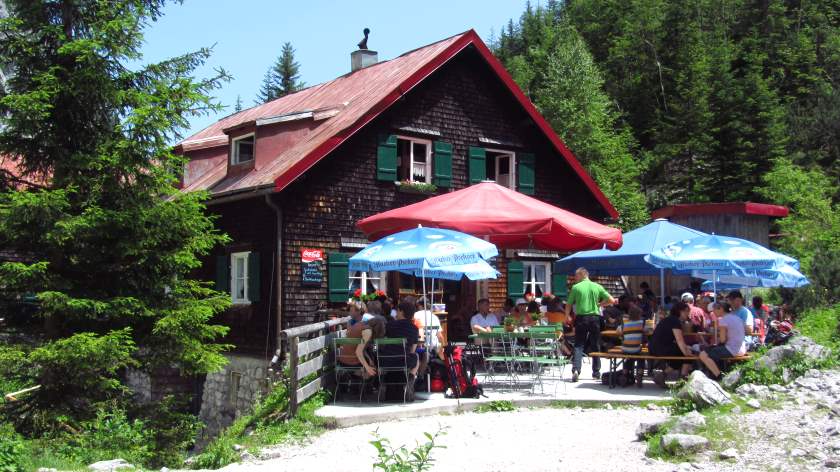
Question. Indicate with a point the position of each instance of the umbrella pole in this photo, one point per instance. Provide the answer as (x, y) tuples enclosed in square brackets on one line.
[(714, 285), (662, 287)]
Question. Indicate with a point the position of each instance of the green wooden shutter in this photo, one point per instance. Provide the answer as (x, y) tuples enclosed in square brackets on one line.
[(478, 165), (386, 158), (254, 277), (559, 285), (515, 279), (525, 169), (442, 164), (223, 273), (338, 277)]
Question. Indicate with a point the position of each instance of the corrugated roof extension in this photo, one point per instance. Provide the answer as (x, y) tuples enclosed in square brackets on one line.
[(346, 104)]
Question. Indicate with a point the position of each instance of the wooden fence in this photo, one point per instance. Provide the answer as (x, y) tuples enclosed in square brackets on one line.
[(308, 351)]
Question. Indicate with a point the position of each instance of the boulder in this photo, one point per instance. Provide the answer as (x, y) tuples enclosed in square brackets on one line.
[(753, 403), (688, 423), (758, 391), (111, 465), (808, 347), (772, 358), (731, 379), (645, 430), (703, 391), (681, 443), (730, 453)]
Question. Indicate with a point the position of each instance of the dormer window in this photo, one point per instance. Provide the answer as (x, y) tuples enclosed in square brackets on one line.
[(242, 149)]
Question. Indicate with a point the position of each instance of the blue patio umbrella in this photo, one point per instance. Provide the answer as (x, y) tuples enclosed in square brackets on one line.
[(422, 249), (629, 259), (786, 276), (476, 271), (716, 253)]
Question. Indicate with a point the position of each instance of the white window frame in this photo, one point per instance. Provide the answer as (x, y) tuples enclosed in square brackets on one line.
[(512, 155), (234, 149), (363, 278), (425, 142), (531, 285), (233, 258)]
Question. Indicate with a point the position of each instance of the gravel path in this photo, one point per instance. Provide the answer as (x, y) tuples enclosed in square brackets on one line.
[(530, 440)]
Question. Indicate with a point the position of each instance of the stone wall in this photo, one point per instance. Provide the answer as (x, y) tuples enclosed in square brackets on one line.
[(232, 392)]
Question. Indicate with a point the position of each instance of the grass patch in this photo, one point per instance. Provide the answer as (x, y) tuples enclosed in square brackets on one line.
[(595, 405), (821, 325), (496, 406), (264, 427), (721, 430), (792, 368)]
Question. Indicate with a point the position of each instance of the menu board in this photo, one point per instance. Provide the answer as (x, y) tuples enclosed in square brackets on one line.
[(311, 267)]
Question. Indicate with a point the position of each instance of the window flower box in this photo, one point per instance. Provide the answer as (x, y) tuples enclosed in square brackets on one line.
[(421, 188)]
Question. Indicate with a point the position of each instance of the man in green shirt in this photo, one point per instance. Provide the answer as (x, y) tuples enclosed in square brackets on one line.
[(587, 297)]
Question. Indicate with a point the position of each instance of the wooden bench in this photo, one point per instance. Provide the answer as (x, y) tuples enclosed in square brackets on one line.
[(616, 357)]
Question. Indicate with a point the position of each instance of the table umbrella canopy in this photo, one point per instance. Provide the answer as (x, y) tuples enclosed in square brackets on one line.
[(715, 253), (507, 218), (630, 258), (476, 271), (785, 276), (422, 248)]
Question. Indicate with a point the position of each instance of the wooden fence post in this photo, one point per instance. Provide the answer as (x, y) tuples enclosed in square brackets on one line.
[(293, 376)]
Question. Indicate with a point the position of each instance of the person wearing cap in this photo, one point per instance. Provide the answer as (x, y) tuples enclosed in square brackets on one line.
[(587, 297), (520, 312), (695, 315)]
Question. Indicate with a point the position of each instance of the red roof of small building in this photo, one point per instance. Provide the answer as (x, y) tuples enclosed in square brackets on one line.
[(730, 208), (349, 103)]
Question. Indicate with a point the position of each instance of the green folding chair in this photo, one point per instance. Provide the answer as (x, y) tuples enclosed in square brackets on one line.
[(345, 370), (391, 363), (545, 344), (498, 352)]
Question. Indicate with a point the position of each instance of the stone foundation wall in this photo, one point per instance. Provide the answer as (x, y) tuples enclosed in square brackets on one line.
[(232, 392)]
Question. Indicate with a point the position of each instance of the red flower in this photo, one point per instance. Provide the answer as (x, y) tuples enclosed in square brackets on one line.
[(357, 293)]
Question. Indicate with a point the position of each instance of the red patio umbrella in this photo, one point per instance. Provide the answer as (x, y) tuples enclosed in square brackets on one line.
[(508, 218)]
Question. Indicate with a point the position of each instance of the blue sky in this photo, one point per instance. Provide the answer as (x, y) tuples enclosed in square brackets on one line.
[(248, 34)]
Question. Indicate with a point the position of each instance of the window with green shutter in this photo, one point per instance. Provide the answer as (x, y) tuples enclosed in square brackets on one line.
[(477, 164), (442, 168), (515, 279), (338, 277), (386, 158), (253, 277), (525, 170), (223, 273), (559, 285)]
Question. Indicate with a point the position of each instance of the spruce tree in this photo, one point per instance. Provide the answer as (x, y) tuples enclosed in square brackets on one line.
[(282, 78), (237, 107), (108, 244)]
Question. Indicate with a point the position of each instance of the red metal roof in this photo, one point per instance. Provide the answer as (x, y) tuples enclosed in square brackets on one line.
[(730, 208), (354, 100)]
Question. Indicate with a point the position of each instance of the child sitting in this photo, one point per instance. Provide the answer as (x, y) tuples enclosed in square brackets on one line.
[(631, 332)]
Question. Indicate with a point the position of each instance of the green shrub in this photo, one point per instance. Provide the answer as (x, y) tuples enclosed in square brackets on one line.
[(496, 406), (172, 430), (795, 366), (401, 459), (111, 434), (821, 325), (12, 449)]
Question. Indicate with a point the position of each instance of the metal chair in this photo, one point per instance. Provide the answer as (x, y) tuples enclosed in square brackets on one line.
[(390, 360), (345, 369), (497, 349)]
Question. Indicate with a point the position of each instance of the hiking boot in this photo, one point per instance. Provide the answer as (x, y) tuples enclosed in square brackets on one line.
[(596, 375), (575, 376)]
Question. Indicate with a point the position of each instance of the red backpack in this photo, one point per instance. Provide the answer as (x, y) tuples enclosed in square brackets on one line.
[(462, 379)]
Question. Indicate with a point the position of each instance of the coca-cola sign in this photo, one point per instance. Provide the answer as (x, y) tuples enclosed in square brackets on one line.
[(311, 255)]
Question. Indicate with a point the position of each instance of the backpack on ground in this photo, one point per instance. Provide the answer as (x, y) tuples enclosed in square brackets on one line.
[(462, 380)]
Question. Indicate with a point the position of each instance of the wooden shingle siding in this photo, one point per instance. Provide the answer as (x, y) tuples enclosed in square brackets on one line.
[(465, 106)]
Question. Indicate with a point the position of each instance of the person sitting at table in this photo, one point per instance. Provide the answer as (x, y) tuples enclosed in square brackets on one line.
[(519, 312), (730, 339), (507, 309), (458, 324), (631, 332), (696, 316), (402, 327), (359, 355), (358, 312), (533, 308), (668, 341), (483, 321), (761, 314), (736, 300), (431, 336)]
